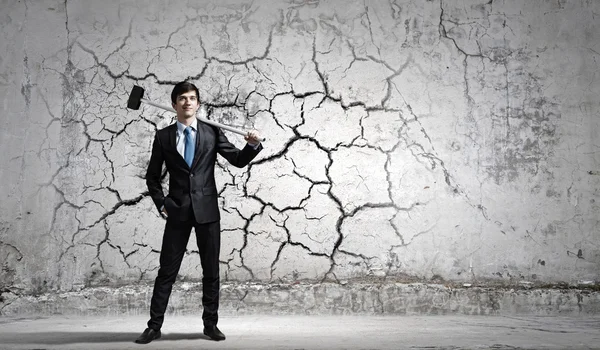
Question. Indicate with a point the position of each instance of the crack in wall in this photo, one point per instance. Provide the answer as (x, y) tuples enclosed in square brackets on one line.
[(255, 100)]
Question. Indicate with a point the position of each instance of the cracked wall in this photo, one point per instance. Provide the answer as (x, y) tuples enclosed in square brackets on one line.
[(407, 140)]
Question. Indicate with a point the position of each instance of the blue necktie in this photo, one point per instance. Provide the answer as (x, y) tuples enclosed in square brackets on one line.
[(189, 146)]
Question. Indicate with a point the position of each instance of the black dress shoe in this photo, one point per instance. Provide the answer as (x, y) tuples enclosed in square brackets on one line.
[(148, 336), (214, 333)]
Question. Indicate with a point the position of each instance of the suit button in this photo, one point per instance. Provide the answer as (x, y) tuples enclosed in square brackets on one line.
[(191, 175), (194, 191)]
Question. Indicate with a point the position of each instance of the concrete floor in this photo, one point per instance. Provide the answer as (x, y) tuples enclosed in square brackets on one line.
[(306, 332)]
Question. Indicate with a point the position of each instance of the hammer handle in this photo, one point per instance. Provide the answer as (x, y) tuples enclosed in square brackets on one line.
[(166, 108)]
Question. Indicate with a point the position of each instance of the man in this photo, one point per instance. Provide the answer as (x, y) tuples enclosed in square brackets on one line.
[(189, 149)]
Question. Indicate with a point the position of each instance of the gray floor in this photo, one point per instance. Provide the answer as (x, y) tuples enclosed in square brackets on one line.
[(307, 332)]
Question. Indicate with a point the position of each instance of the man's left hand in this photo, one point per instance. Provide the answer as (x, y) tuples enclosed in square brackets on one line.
[(253, 138)]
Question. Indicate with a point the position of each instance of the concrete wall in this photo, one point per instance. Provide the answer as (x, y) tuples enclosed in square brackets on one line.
[(447, 141)]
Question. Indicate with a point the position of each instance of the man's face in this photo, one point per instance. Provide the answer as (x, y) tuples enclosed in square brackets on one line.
[(186, 105)]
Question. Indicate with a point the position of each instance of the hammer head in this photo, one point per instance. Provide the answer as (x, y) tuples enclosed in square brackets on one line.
[(135, 97)]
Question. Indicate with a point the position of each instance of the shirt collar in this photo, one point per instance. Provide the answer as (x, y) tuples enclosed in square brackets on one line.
[(181, 127)]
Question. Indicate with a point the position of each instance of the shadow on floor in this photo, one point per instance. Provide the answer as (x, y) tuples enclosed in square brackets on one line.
[(57, 338)]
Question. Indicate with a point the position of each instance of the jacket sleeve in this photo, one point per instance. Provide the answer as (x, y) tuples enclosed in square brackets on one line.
[(153, 173), (236, 157)]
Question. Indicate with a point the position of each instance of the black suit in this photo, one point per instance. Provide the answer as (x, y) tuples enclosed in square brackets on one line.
[(192, 202)]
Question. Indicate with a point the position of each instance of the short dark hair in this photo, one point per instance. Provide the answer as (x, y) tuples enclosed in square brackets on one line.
[(181, 88)]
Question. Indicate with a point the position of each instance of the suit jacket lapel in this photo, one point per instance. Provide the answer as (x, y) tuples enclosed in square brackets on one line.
[(173, 144), (200, 142)]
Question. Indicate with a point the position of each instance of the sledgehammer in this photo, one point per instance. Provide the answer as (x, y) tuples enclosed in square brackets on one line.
[(136, 97)]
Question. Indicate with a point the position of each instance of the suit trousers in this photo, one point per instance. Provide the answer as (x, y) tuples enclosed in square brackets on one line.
[(175, 240)]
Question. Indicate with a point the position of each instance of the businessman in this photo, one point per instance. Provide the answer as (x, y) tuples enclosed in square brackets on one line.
[(189, 150)]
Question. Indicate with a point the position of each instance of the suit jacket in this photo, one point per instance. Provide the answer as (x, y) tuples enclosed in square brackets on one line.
[(192, 191)]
